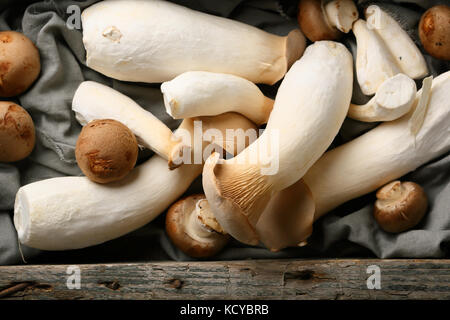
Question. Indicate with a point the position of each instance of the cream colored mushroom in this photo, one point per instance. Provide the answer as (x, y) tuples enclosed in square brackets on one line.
[(394, 98), (361, 166), (155, 41), (309, 109), (200, 93), (374, 62), (405, 52), (95, 101)]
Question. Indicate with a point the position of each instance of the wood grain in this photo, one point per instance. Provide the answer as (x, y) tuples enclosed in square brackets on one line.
[(249, 279)]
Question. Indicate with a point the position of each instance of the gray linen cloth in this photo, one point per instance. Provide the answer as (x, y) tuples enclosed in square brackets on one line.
[(347, 231)]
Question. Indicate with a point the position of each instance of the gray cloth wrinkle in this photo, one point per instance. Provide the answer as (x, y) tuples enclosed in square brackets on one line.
[(349, 230)]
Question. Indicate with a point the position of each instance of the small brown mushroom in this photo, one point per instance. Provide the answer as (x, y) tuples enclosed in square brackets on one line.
[(17, 133), (106, 150), (19, 63), (434, 31), (192, 227), (400, 206), (326, 20)]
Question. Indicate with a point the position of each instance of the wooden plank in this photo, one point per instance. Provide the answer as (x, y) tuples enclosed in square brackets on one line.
[(249, 279)]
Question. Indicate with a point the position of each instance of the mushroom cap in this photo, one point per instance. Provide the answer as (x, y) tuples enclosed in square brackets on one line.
[(106, 150), (177, 220), (313, 21), (400, 206), (288, 218), (19, 63), (434, 31), (17, 132)]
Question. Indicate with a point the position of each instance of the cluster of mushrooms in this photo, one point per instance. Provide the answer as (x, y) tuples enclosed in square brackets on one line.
[(208, 67)]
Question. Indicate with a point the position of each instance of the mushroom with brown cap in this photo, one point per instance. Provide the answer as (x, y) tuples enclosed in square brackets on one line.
[(19, 63), (322, 20), (17, 132), (191, 226), (93, 101), (434, 31), (400, 206), (106, 150)]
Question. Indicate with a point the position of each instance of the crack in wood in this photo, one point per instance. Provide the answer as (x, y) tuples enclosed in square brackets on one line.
[(113, 285)]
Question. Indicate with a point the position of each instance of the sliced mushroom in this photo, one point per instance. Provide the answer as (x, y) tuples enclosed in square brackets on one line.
[(187, 226), (394, 98), (317, 90), (200, 93), (405, 52), (374, 62), (400, 206)]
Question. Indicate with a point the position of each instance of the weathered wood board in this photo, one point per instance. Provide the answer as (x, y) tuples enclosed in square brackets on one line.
[(249, 279)]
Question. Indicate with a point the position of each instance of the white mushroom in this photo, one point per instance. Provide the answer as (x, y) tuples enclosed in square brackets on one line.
[(394, 98), (358, 167), (405, 52), (200, 93), (73, 212), (93, 101), (154, 41), (309, 109), (374, 62)]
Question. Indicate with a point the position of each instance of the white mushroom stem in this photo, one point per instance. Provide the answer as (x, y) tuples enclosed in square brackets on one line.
[(341, 14), (155, 41), (196, 227), (394, 98), (73, 212), (93, 101), (383, 154), (405, 52), (78, 213), (200, 93), (356, 168), (374, 62), (309, 109)]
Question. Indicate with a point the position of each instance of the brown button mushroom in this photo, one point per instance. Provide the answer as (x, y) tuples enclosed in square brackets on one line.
[(17, 133), (434, 31), (326, 20), (106, 150), (19, 63), (192, 227), (400, 206)]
